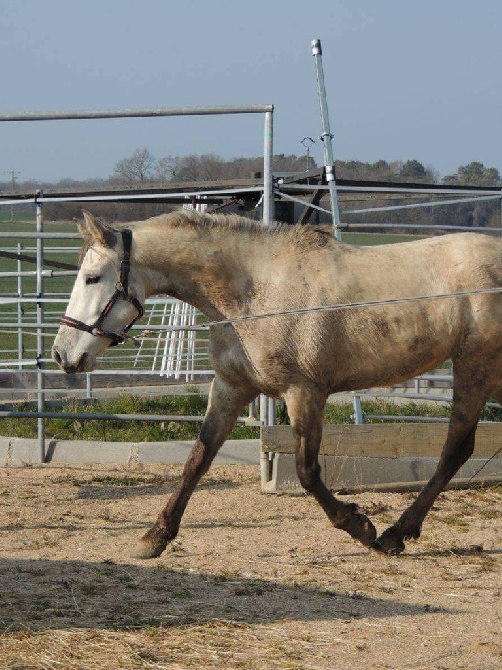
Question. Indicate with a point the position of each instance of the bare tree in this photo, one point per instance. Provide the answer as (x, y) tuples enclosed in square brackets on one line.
[(137, 168), (165, 169)]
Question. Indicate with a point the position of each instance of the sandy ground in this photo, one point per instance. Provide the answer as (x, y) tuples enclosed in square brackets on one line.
[(253, 581)]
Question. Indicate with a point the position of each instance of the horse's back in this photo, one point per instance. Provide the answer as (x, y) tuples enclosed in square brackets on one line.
[(377, 344)]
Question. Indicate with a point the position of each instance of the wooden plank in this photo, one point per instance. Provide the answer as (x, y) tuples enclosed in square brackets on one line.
[(307, 211), (403, 440)]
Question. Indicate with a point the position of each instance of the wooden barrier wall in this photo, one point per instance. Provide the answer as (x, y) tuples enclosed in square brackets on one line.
[(375, 455)]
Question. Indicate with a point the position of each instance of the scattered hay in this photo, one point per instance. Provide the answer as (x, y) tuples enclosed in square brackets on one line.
[(252, 582)]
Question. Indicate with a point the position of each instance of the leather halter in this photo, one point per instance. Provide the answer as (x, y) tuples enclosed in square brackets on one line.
[(121, 291)]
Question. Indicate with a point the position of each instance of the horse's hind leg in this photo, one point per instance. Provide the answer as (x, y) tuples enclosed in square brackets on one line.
[(305, 409), (469, 397), (224, 406)]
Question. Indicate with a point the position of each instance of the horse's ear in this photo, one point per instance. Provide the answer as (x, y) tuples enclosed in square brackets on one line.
[(96, 232)]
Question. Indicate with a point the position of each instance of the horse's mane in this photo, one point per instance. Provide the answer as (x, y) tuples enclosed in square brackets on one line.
[(297, 235)]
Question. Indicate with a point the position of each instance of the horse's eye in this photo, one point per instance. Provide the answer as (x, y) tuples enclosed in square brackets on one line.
[(92, 280)]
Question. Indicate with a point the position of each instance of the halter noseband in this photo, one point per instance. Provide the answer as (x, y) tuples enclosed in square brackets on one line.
[(121, 291)]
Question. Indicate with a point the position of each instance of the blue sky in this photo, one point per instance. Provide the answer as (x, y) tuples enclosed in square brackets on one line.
[(405, 80)]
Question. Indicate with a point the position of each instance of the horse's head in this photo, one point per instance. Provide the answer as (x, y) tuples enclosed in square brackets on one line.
[(106, 298)]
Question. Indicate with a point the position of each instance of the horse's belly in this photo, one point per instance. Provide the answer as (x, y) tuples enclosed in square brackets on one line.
[(389, 361)]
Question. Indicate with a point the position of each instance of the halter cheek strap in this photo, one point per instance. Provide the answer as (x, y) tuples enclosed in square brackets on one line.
[(121, 291)]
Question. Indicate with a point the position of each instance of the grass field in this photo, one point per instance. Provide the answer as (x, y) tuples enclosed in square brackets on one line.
[(144, 431), (191, 404), (62, 250)]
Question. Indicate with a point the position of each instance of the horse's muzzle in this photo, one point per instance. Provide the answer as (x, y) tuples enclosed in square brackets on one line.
[(64, 364)]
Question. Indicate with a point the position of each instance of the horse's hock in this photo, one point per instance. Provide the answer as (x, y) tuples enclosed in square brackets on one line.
[(372, 456)]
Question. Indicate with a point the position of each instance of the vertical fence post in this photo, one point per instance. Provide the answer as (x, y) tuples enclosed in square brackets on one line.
[(88, 379), (358, 411), (40, 332), (267, 405), (329, 163), (268, 180), (20, 310)]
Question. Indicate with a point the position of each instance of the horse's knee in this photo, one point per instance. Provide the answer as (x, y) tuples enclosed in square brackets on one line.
[(309, 474)]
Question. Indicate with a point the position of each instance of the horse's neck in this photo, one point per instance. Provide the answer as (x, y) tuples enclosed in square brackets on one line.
[(213, 276)]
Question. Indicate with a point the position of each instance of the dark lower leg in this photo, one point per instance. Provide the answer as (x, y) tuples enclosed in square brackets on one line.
[(167, 525), (342, 515), (224, 406), (409, 525)]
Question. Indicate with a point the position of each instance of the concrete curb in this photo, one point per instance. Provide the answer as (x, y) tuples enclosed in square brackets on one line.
[(15, 451)]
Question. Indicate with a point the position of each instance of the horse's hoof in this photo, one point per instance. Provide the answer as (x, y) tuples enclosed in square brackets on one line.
[(145, 549), (152, 544), (360, 528), (390, 542)]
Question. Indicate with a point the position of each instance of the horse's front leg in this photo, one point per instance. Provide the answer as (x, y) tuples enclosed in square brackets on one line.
[(305, 409), (224, 406)]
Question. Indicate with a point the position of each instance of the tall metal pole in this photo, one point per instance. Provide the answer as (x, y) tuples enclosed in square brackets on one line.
[(20, 309), (267, 405), (268, 182), (329, 163), (40, 332)]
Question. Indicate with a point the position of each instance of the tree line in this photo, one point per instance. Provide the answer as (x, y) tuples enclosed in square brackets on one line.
[(143, 168)]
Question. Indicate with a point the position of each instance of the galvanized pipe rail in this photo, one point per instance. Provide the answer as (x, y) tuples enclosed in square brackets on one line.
[(39, 199), (111, 417), (135, 113)]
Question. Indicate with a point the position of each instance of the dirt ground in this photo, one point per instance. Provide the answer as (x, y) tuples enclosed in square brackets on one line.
[(253, 581)]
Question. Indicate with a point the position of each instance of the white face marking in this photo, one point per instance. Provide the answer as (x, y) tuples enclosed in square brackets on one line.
[(75, 350)]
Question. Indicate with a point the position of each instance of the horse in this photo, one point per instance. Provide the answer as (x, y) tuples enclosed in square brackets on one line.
[(235, 270)]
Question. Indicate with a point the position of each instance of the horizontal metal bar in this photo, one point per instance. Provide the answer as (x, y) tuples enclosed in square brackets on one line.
[(115, 372), (136, 113), (31, 301), (42, 236), (373, 395), (149, 196), (44, 273), (415, 205), (27, 325), (418, 419), (109, 417), (416, 226), (132, 197), (17, 363), (391, 189)]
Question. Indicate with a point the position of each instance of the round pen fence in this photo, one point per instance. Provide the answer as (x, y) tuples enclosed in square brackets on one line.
[(30, 307), (38, 268)]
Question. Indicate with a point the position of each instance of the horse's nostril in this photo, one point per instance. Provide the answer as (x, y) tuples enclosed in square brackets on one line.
[(57, 356)]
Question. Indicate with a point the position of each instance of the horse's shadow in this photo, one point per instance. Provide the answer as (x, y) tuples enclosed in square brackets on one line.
[(41, 595), (100, 491)]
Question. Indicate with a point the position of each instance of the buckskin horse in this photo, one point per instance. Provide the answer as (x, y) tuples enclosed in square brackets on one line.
[(230, 267)]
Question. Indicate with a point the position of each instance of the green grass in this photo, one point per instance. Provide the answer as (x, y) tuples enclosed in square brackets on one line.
[(122, 431), (187, 405), (343, 413), (52, 285)]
